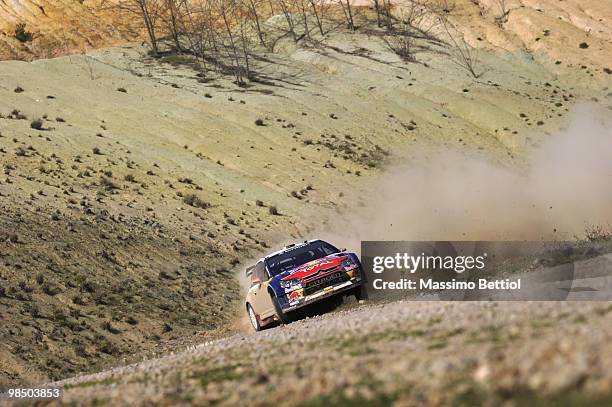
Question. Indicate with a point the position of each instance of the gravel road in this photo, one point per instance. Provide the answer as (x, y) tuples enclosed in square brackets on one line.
[(400, 353)]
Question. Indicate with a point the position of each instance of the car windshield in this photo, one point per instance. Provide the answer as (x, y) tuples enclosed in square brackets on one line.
[(298, 256)]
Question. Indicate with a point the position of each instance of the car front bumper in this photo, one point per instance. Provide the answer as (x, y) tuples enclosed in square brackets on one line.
[(326, 292)]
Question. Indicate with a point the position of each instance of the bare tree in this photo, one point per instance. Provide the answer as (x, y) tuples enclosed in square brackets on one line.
[(348, 13), (253, 7), (378, 9), (421, 15), (462, 53), (503, 7), (318, 8), (149, 11), (401, 39), (286, 9), (229, 13), (302, 7), (170, 18)]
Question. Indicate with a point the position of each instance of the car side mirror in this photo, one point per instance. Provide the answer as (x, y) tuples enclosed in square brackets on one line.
[(343, 249)]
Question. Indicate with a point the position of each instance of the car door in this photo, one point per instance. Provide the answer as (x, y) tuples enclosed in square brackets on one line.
[(259, 290)]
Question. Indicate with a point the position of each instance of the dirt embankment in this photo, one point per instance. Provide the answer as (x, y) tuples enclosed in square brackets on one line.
[(131, 186), (407, 353), (59, 27)]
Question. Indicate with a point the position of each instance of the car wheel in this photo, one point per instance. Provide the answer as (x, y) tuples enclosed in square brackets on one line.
[(253, 318), (360, 293), (282, 316)]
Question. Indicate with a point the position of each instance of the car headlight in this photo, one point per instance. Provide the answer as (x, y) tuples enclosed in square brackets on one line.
[(294, 282), (348, 263)]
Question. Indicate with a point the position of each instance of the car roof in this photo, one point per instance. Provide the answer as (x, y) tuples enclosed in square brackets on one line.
[(289, 248)]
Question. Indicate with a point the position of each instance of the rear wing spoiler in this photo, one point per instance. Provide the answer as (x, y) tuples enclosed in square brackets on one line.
[(249, 270)]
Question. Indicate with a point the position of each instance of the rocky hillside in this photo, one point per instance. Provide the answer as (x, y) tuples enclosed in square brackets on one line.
[(132, 187)]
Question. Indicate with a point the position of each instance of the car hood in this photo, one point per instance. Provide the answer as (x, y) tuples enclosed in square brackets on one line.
[(314, 268)]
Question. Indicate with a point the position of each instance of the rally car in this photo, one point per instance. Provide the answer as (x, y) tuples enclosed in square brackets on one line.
[(300, 275)]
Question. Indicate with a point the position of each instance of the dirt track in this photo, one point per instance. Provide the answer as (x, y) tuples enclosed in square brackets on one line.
[(133, 155), (410, 353)]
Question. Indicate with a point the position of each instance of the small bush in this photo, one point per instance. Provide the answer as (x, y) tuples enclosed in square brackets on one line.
[(259, 122), (18, 89), (16, 114), (108, 347), (583, 45), (259, 203), (51, 289), (108, 183), (195, 201), (22, 34), (130, 178), (35, 311), (598, 233), (122, 90), (21, 152), (37, 124), (273, 210), (97, 151)]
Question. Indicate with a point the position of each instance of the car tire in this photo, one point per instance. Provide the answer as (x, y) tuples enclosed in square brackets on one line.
[(360, 293), (283, 317), (253, 318)]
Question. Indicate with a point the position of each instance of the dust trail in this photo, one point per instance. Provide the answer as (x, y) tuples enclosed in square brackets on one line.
[(450, 196)]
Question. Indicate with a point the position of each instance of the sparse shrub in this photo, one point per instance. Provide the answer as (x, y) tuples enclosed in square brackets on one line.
[(165, 275), (259, 203), (108, 347), (122, 90), (598, 233), (35, 311), (78, 300), (89, 287), (273, 210), (130, 178), (97, 151), (51, 289), (259, 122), (16, 114), (60, 120), (18, 89), (108, 183), (25, 287), (108, 326), (583, 45), (37, 124), (22, 34), (195, 201)]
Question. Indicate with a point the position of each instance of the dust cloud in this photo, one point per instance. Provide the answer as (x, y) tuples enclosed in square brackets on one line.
[(566, 188)]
